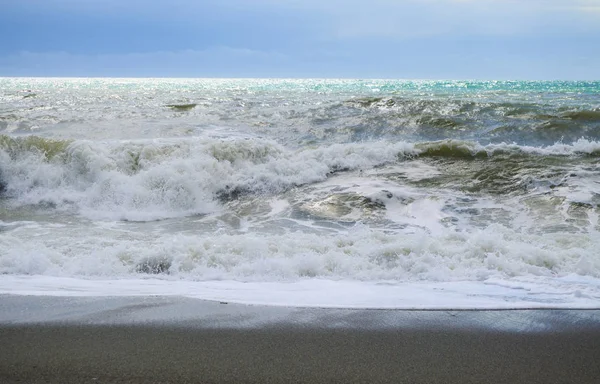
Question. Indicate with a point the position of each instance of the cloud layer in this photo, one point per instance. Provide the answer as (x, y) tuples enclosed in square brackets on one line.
[(302, 38)]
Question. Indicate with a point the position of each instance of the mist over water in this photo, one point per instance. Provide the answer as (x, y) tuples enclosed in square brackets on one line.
[(402, 182)]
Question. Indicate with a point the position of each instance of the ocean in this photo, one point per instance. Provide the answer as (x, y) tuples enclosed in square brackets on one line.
[(308, 192)]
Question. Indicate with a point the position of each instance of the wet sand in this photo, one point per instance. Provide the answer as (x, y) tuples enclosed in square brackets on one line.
[(177, 340)]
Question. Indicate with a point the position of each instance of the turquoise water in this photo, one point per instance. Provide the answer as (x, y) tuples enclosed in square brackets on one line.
[(303, 112)]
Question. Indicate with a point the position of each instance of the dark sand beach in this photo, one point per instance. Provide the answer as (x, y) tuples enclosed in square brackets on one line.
[(178, 340)]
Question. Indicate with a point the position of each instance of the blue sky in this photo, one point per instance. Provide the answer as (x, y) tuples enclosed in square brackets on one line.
[(431, 39)]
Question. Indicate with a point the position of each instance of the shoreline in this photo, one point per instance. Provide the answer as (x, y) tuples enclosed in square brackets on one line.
[(568, 292), (173, 339)]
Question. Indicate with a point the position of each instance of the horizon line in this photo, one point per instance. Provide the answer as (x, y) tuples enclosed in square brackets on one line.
[(293, 78)]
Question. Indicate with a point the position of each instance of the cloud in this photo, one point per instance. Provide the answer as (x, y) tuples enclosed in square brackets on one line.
[(427, 58), (306, 38), (411, 18), (213, 62), (418, 18), (349, 19)]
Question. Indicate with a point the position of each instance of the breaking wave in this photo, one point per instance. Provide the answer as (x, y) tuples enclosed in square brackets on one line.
[(148, 180)]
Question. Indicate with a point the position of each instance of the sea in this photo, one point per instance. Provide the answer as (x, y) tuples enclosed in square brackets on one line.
[(408, 194)]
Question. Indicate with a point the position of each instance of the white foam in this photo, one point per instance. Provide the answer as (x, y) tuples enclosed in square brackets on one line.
[(580, 146), (572, 292), (157, 179), (162, 178), (288, 253)]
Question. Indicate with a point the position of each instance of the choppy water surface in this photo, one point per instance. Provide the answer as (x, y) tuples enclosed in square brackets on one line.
[(287, 181)]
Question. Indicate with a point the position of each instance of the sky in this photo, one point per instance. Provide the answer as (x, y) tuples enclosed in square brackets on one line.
[(404, 39)]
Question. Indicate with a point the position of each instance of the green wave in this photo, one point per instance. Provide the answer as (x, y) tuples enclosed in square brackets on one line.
[(452, 149), (49, 148), (584, 115), (456, 114), (470, 150), (233, 151), (182, 107)]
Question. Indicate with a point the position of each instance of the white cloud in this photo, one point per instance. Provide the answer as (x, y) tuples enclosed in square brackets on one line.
[(416, 18), (367, 18)]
